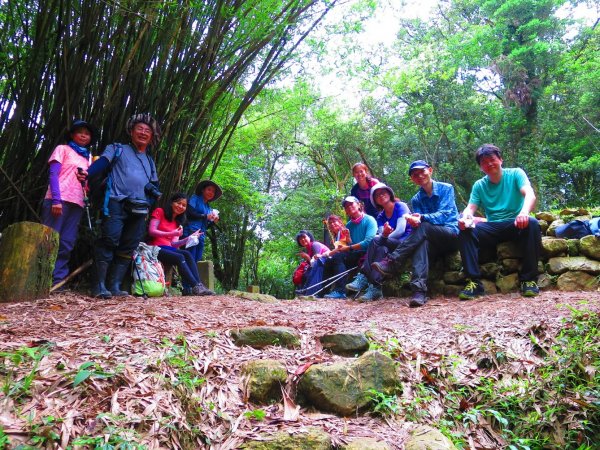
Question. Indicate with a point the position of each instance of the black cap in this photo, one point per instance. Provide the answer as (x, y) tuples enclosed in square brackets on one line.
[(78, 123), (419, 164)]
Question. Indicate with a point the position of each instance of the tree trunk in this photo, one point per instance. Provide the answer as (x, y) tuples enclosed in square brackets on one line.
[(27, 255)]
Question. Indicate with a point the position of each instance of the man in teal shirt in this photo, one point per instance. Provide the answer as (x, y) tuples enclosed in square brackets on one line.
[(507, 198)]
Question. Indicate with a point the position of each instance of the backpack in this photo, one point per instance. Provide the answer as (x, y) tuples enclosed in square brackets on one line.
[(299, 272), (148, 273), (99, 186), (576, 229)]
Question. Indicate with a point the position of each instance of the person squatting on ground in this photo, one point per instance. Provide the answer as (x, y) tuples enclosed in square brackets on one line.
[(362, 188), (64, 202), (361, 228), (313, 275), (434, 223), (166, 226), (132, 185), (392, 229), (507, 197), (200, 215)]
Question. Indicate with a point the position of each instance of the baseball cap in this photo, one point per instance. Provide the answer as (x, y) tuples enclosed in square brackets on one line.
[(349, 199), (418, 164)]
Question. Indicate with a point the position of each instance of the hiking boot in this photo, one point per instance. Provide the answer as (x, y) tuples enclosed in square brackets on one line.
[(373, 293), (418, 299), (336, 295), (472, 289), (386, 267), (99, 290), (359, 283), (529, 289), (200, 289), (118, 269)]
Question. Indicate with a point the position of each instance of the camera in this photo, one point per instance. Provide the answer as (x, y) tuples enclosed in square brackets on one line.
[(151, 190)]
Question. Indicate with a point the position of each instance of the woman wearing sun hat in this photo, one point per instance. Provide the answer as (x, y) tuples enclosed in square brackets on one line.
[(200, 215)]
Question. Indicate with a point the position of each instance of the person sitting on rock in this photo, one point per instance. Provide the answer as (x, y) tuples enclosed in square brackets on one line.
[(313, 275), (392, 229), (507, 197), (361, 230), (434, 223)]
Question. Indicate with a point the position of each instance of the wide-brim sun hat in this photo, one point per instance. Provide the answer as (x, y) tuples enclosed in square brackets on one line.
[(376, 188), (204, 183)]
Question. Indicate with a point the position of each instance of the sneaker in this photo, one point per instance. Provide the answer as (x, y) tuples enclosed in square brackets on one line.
[(373, 293), (386, 267), (200, 289), (418, 299), (529, 289), (360, 283), (336, 295), (472, 289)]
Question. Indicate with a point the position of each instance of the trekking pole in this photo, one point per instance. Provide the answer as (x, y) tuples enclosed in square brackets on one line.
[(325, 281), (86, 200), (144, 295)]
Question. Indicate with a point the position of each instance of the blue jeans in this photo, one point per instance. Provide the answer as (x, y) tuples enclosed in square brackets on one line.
[(377, 250), (424, 242), (185, 264), (120, 232), (67, 226)]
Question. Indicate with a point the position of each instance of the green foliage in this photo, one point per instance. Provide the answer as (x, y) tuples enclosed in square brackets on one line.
[(11, 363), (91, 369), (180, 359), (255, 414), (382, 404)]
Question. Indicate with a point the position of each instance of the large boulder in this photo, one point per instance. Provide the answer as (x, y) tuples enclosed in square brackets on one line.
[(554, 246), (562, 264), (345, 344), (424, 437), (573, 247), (366, 444), (574, 212), (260, 337), (511, 265), (489, 286), (343, 387), (590, 247), (313, 439), (543, 226), (262, 380), (577, 281)]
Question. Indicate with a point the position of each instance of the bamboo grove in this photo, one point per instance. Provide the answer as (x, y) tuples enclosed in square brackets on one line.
[(196, 65)]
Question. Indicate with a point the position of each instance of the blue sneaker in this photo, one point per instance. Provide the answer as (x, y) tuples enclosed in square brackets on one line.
[(359, 283), (336, 295), (373, 293)]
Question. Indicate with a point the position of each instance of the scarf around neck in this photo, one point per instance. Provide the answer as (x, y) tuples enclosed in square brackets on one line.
[(358, 219), (80, 150)]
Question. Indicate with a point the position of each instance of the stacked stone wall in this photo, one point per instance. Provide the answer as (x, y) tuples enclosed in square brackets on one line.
[(566, 264)]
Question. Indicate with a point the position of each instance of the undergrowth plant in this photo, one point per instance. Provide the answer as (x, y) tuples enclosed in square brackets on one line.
[(14, 363)]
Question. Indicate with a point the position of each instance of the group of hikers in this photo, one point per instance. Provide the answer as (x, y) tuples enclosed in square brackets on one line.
[(382, 232), (126, 176)]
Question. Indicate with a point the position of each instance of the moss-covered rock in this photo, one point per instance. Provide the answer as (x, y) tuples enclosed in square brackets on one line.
[(262, 380), (313, 439), (424, 437), (454, 277), (511, 265), (590, 247), (259, 337), (573, 247), (551, 231), (342, 387), (262, 298), (489, 286), (508, 283), (489, 270), (554, 246), (577, 281), (546, 215), (452, 261), (562, 264), (345, 344)]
